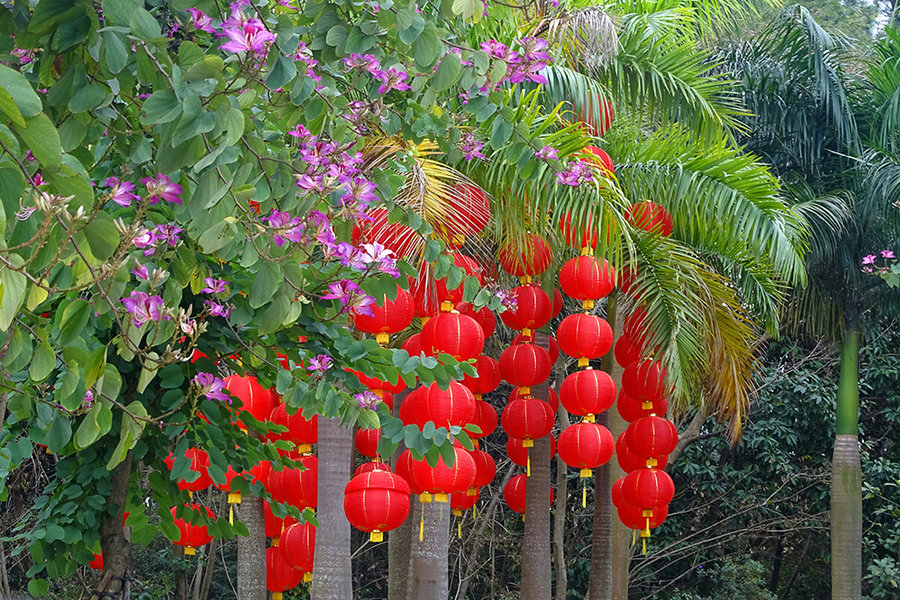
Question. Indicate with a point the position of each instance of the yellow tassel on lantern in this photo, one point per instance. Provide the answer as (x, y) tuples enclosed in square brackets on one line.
[(376, 536), (276, 541), (425, 498), (382, 338), (646, 405), (190, 494), (585, 250), (277, 596), (527, 443), (583, 361), (231, 514), (587, 304), (307, 577), (524, 391), (527, 465), (526, 332), (652, 462), (234, 497), (473, 512), (458, 239), (583, 495), (190, 551), (422, 529), (459, 530)]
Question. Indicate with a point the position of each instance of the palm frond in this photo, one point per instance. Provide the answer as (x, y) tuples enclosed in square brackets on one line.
[(588, 34), (884, 81)]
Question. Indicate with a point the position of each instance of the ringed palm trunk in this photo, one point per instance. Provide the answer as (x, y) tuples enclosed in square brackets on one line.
[(332, 576), (429, 556), (846, 478), (251, 565)]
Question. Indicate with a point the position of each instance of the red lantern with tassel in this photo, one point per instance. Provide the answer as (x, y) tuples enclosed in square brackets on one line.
[(296, 487), (488, 379), (390, 317), (281, 576), (366, 441), (403, 240), (452, 333), (199, 464), (631, 409), (644, 380), (525, 365), (629, 460), (514, 493), (652, 437), (442, 480), (483, 316), (587, 392), (298, 543), (648, 489), (192, 536), (532, 311), (532, 259), (584, 337), (404, 470), (446, 408), (519, 453), (376, 502), (527, 419), (587, 278), (651, 217), (627, 352), (634, 518), (255, 399), (586, 446), (460, 501), (300, 430), (553, 397), (521, 338), (486, 418)]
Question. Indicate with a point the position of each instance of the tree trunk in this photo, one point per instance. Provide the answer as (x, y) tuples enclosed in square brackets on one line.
[(428, 557), (115, 546), (846, 479), (600, 581), (399, 539), (251, 564), (332, 576), (559, 517)]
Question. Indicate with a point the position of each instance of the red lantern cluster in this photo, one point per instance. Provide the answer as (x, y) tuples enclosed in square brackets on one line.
[(298, 545), (468, 213), (376, 501)]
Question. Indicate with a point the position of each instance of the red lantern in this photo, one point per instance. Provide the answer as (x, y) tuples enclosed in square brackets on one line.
[(596, 124), (587, 278), (584, 337), (616, 492), (97, 563), (413, 344), (280, 574), (298, 543), (525, 365), (454, 334), (634, 518), (532, 259), (376, 501), (586, 446), (576, 238), (390, 317), (527, 419), (533, 308), (519, 453), (366, 441), (635, 325), (587, 392), (557, 303), (632, 409), (403, 240), (553, 397), (598, 156), (471, 267), (260, 472), (255, 400), (521, 338), (275, 526), (199, 464), (485, 468), (628, 460), (645, 380), (404, 470), (514, 493), (468, 213), (303, 432), (488, 379), (446, 408), (486, 419), (442, 480), (652, 437), (377, 385), (651, 217), (374, 465), (294, 486), (648, 488), (484, 316), (192, 536), (627, 352), (461, 501)]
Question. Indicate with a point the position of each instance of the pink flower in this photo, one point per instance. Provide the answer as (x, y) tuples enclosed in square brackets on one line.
[(143, 308), (140, 271), (869, 260), (392, 79), (200, 20), (162, 188), (350, 296), (251, 37), (215, 286), (146, 241), (212, 387), (218, 310), (121, 191), (887, 254)]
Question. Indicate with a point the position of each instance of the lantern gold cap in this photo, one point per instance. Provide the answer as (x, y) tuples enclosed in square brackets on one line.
[(425, 498), (382, 338), (527, 443), (586, 472), (376, 536), (587, 304), (442, 498), (307, 577), (584, 361), (190, 551), (234, 497)]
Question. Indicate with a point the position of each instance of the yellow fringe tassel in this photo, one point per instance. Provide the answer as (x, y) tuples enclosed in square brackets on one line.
[(459, 529), (231, 514), (422, 525), (527, 464), (583, 495)]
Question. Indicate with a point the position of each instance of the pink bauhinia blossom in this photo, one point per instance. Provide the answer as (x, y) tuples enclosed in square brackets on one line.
[(162, 188), (143, 308)]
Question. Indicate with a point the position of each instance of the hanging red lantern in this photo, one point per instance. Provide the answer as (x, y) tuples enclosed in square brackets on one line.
[(584, 337), (632, 409), (199, 464), (626, 351), (634, 518), (366, 441), (531, 258), (281, 576), (585, 237), (389, 317), (488, 379), (446, 408), (651, 217), (484, 316), (598, 156), (442, 480), (652, 437), (192, 536), (260, 472), (472, 269), (521, 338), (375, 228), (413, 344), (296, 487), (485, 468), (452, 333), (648, 488), (468, 213), (375, 465), (300, 430), (557, 303), (514, 493), (586, 446), (376, 502), (616, 492), (635, 325), (629, 460), (255, 400), (486, 418), (527, 419), (298, 543), (597, 123), (275, 526), (587, 278), (519, 453), (644, 380), (377, 386), (553, 397), (533, 308), (403, 468), (587, 392), (525, 365), (461, 501), (424, 293)]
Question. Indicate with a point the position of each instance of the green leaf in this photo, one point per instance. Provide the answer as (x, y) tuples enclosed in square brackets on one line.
[(18, 88), (74, 319), (9, 108), (118, 12), (143, 25), (38, 587), (89, 431), (42, 139), (275, 315), (72, 31), (161, 107), (59, 434), (116, 56), (427, 49), (12, 292), (218, 236), (283, 71), (267, 281), (207, 68), (409, 25), (43, 363), (500, 132), (447, 73), (102, 236), (130, 433)]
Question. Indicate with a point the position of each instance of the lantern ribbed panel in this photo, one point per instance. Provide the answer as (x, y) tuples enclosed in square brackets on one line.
[(299, 429), (390, 317), (413, 344), (587, 278), (616, 492), (527, 419), (588, 391), (652, 437), (651, 217), (483, 316), (525, 365), (469, 210), (281, 576), (514, 493), (454, 334), (644, 380), (404, 470), (533, 258), (586, 445), (633, 517), (376, 500), (296, 487), (488, 379), (579, 237), (631, 409), (521, 338), (553, 398), (485, 467), (626, 351), (298, 543), (557, 303), (519, 453), (199, 464), (584, 336), (442, 479), (446, 408), (366, 441), (533, 308), (260, 472), (648, 488), (192, 535), (629, 460), (634, 327), (371, 466), (486, 418), (596, 124), (599, 157), (255, 399)]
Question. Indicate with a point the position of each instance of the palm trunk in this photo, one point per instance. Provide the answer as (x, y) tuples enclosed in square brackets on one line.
[(115, 546), (399, 539), (251, 565), (332, 576), (559, 517), (428, 557), (846, 479)]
